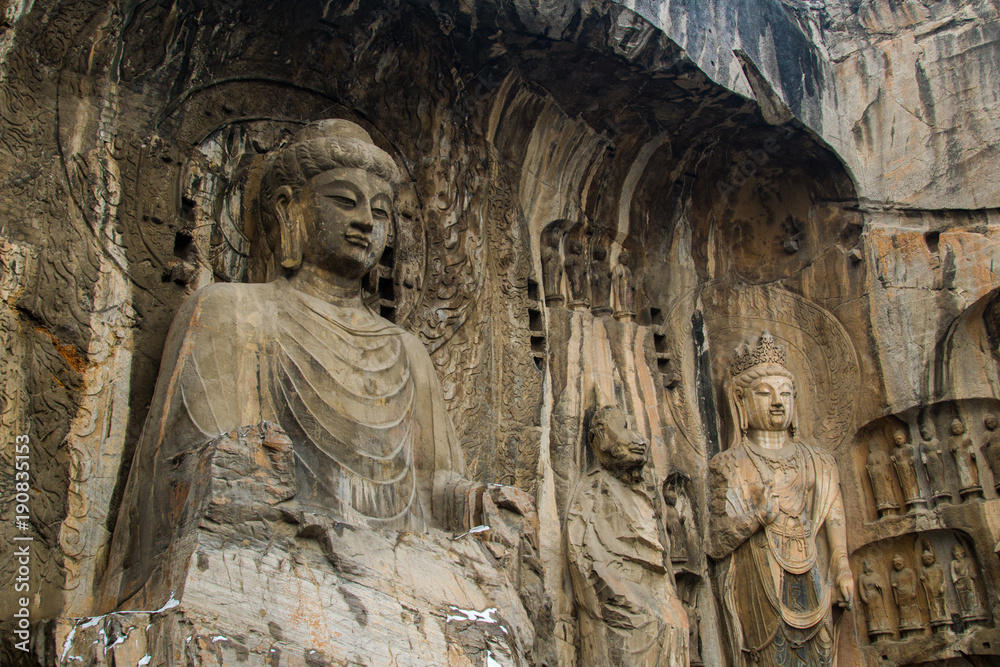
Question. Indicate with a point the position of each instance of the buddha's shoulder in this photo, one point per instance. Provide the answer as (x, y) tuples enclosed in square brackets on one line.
[(726, 460), (227, 304), (817, 453)]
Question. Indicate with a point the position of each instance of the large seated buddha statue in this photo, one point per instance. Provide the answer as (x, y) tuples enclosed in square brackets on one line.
[(356, 395)]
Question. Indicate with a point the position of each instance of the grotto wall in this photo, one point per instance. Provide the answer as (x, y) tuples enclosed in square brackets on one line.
[(598, 203)]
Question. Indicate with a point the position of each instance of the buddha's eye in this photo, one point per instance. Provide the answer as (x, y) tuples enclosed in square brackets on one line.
[(343, 200), (786, 393), (380, 213)]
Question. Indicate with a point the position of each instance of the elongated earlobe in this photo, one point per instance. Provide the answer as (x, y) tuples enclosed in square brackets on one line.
[(741, 413), (291, 228)]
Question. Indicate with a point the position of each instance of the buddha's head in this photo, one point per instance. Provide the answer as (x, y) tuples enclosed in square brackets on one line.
[(926, 431), (928, 557), (618, 446), (957, 427), (600, 254), (761, 390), (899, 437), (990, 422), (958, 552), (897, 562), (866, 567), (326, 199)]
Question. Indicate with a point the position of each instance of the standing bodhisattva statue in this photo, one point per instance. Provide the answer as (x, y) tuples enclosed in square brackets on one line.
[(358, 396), (776, 523)]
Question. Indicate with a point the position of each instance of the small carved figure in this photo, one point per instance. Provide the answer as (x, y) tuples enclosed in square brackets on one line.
[(552, 269), (992, 449), (622, 290), (932, 580), (930, 454), (694, 635), (777, 522), (965, 462), (881, 478), (963, 576), (871, 590), (903, 456), (576, 273), (675, 527), (618, 553), (600, 282), (904, 592)]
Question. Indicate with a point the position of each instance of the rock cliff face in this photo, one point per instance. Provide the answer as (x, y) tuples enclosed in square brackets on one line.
[(600, 201)]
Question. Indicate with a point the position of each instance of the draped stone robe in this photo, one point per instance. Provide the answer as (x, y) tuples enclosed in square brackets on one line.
[(619, 556), (359, 398), (776, 582)]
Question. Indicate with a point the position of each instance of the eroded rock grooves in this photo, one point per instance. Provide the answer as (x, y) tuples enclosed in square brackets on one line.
[(583, 205)]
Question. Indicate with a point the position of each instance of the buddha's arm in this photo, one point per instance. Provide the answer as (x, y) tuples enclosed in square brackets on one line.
[(726, 531), (456, 503), (836, 536)]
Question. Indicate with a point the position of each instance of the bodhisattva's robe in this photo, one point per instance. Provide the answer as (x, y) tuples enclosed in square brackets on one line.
[(776, 582), (358, 397), (619, 559)]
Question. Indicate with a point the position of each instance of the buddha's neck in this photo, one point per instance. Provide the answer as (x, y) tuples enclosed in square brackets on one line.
[(330, 287), (768, 439)]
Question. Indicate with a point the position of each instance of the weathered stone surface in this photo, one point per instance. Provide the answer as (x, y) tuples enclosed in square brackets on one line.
[(822, 169)]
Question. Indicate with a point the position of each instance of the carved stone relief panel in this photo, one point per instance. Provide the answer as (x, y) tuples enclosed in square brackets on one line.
[(921, 593)]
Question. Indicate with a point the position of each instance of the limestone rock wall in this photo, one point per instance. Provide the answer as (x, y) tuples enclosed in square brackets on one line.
[(820, 169)]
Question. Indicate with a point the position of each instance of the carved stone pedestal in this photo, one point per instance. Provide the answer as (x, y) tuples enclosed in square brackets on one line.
[(255, 589)]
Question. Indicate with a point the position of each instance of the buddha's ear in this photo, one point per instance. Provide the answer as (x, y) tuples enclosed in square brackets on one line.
[(739, 409), (291, 227)]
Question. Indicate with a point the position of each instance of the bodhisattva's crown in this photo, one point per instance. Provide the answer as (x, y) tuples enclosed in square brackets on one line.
[(766, 352)]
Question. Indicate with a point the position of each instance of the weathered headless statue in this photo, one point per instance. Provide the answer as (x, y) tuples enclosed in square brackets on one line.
[(619, 556), (358, 396), (871, 591), (878, 472), (776, 523)]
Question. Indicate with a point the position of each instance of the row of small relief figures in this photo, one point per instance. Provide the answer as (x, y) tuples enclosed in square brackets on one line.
[(904, 455), (903, 583), (589, 282)]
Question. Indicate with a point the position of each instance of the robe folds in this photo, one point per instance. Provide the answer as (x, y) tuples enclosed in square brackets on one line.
[(619, 556), (776, 582), (358, 397)]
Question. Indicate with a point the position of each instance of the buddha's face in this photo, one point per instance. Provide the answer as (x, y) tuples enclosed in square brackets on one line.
[(957, 427), (619, 445), (958, 552), (346, 214), (899, 438), (867, 567), (928, 557), (769, 402), (897, 562), (991, 423)]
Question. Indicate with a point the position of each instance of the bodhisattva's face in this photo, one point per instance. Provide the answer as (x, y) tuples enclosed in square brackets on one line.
[(349, 222), (622, 446), (769, 402), (899, 438), (897, 562), (928, 558), (957, 428)]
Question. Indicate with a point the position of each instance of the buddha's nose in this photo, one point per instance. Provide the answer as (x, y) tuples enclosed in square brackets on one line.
[(363, 220)]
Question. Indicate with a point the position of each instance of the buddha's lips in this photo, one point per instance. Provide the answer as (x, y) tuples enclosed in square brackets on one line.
[(358, 239)]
